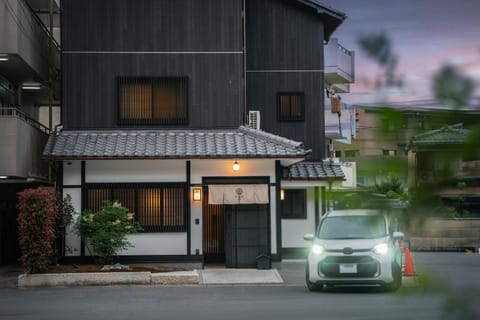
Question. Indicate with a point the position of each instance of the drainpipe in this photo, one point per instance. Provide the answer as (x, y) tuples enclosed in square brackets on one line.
[(244, 30), (50, 68)]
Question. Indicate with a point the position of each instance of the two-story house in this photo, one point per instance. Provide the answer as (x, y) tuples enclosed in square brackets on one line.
[(157, 101)]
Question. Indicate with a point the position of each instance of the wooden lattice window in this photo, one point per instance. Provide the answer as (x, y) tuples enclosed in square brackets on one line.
[(152, 100), (157, 207)]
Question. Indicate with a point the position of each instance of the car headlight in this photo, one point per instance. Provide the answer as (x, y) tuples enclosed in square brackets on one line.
[(381, 249), (317, 249)]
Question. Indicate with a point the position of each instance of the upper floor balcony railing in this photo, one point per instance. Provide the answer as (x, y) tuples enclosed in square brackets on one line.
[(23, 140), (17, 113), (339, 66), (30, 50)]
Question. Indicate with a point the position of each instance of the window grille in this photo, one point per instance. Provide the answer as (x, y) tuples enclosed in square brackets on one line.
[(145, 100), (291, 106), (157, 207)]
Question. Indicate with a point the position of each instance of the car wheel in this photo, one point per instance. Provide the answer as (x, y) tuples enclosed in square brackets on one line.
[(397, 279), (310, 285)]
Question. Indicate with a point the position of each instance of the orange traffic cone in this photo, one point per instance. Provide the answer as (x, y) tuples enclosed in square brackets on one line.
[(408, 266)]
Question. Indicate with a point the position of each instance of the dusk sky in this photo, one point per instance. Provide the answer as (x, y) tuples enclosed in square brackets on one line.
[(425, 34)]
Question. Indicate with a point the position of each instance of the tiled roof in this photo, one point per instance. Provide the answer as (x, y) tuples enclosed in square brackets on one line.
[(173, 144), (314, 171), (454, 134)]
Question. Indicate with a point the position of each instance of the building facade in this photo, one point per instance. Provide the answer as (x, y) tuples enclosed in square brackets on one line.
[(156, 99), (29, 99)]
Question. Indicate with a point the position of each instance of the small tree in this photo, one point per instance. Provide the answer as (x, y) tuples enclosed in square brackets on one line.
[(36, 228), (106, 230)]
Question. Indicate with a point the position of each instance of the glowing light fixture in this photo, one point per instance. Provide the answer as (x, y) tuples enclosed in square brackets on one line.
[(197, 194), (3, 177), (31, 86), (282, 194), (235, 166)]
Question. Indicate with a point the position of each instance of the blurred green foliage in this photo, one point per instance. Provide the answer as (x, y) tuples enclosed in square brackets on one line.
[(378, 47), (452, 88)]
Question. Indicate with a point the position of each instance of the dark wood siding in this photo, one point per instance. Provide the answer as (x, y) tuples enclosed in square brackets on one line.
[(285, 54), (152, 25), (199, 40)]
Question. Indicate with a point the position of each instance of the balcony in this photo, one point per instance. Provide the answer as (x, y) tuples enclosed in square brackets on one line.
[(339, 66), (23, 140), (27, 51)]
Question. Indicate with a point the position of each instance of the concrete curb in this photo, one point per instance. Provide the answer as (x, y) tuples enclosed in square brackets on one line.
[(106, 278), (178, 277)]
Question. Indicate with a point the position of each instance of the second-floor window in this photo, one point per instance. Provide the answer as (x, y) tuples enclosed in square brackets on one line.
[(291, 106), (145, 100)]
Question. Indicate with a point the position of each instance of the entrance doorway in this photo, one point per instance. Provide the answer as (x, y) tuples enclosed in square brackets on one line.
[(213, 231), (235, 235), (246, 234)]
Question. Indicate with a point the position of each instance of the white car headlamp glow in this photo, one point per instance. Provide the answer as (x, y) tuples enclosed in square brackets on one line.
[(317, 249), (381, 249)]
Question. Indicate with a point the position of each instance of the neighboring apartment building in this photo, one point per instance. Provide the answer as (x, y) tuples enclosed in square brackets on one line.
[(379, 145), (29, 90), (156, 96)]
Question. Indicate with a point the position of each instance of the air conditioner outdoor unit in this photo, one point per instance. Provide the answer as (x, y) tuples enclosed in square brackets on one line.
[(254, 119)]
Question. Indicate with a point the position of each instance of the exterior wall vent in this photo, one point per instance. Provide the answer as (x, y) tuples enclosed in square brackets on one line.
[(254, 119)]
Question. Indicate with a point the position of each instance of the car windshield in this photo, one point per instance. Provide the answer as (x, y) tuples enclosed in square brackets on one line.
[(352, 227)]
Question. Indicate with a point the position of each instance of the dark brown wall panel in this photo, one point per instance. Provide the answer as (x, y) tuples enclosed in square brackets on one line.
[(262, 95), (285, 54), (90, 93), (152, 25), (281, 35), (106, 39)]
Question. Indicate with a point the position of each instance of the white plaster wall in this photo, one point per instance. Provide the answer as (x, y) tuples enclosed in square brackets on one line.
[(157, 244), (100, 171), (144, 243), (72, 173), (196, 239), (223, 168), (294, 229), (273, 220), (72, 241), (350, 171)]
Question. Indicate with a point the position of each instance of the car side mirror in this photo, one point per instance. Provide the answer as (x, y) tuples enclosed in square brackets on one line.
[(397, 235), (308, 237)]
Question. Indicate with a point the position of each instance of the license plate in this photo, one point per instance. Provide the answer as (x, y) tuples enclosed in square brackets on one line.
[(348, 268)]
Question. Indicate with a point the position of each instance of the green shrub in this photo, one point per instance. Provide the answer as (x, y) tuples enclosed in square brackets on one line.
[(106, 230)]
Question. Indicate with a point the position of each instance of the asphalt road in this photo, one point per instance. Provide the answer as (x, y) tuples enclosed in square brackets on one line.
[(447, 288)]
